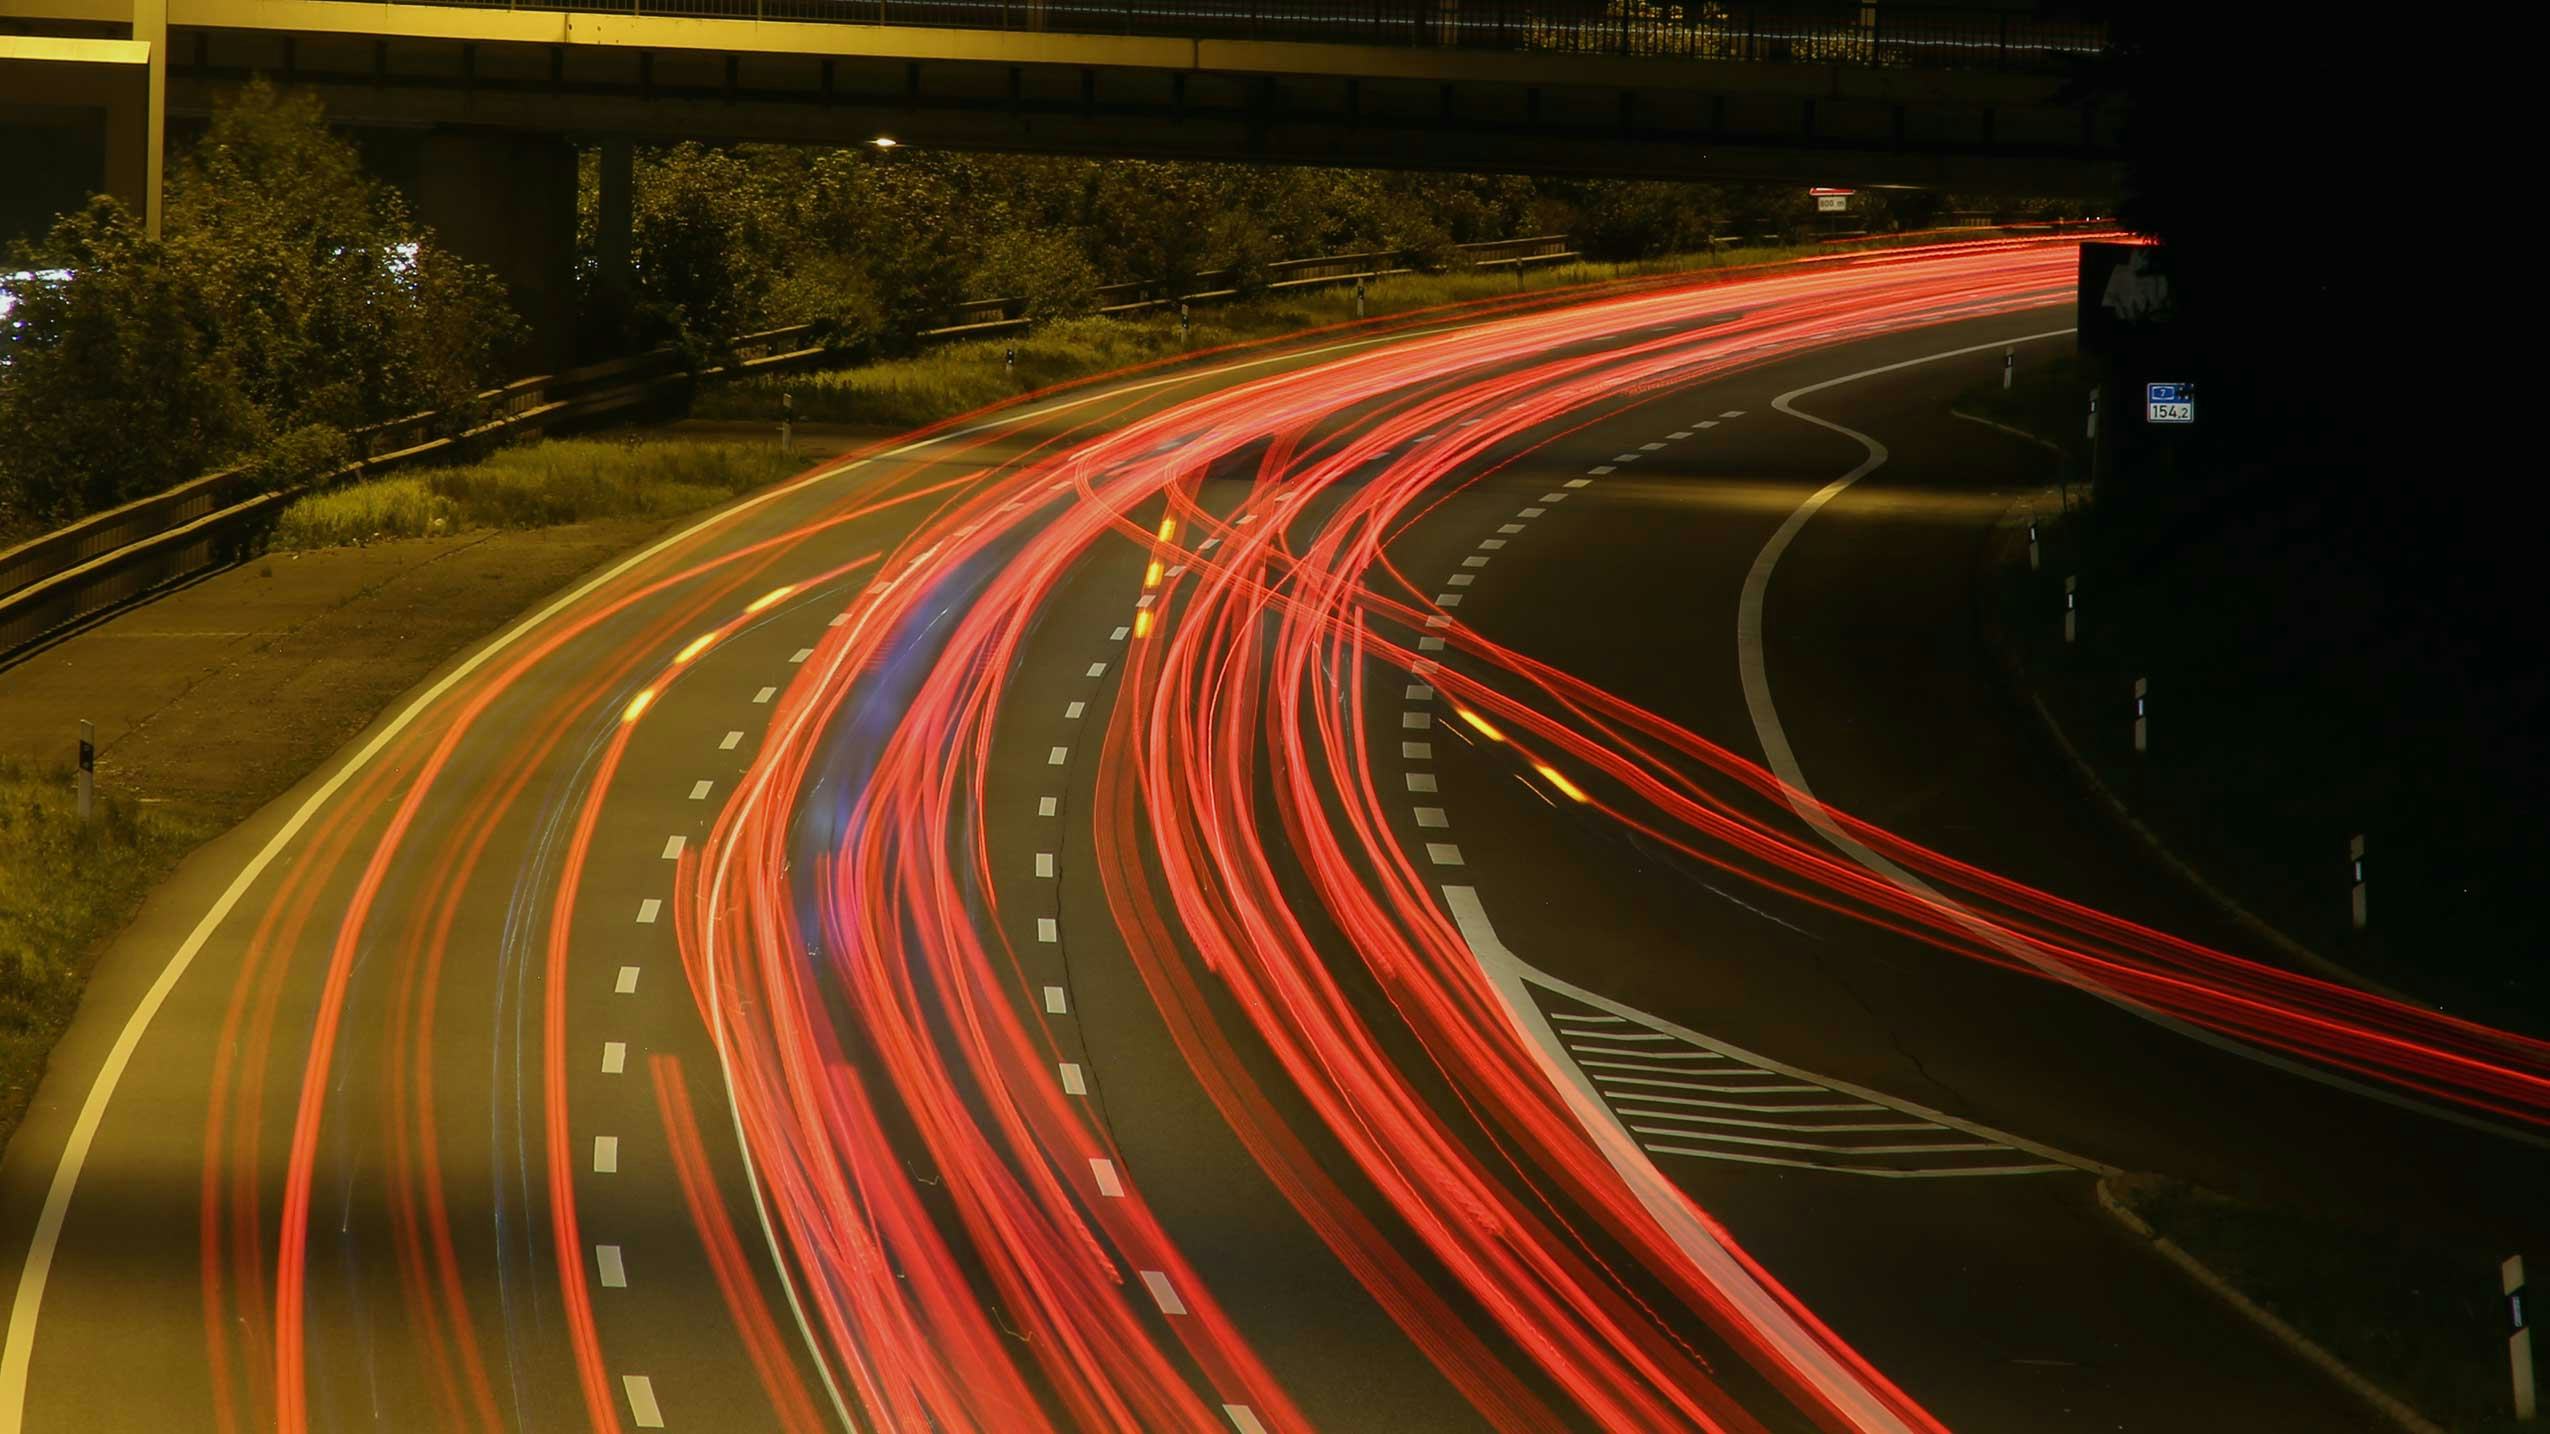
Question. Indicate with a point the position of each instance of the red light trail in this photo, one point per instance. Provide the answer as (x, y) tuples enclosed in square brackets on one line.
[(845, 936)]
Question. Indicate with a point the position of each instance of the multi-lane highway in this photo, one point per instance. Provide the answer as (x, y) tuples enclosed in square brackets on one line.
[(1459, 874)]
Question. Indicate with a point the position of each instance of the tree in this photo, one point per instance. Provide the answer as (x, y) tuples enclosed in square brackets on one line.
[(289, 295), (323, 295), (110, 382)]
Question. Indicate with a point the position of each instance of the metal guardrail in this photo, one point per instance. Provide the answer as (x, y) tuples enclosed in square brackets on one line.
[(110, 559), (107, 560), (1884, 35)]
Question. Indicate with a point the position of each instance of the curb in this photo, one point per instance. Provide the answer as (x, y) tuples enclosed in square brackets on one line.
[(2088, 776), (2294, 1340)]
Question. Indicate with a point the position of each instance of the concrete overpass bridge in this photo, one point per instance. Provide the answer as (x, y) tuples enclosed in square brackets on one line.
[(496, 96)]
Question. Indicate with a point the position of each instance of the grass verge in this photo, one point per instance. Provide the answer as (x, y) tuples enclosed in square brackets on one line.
[(64, 885), (2418, 1316), (537, 485), (969, 373)]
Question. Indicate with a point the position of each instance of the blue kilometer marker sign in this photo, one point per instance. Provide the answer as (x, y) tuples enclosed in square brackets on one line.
[(2169, 403)]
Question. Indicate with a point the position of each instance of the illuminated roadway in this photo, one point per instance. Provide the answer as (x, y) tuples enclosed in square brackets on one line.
[(1209, 901)]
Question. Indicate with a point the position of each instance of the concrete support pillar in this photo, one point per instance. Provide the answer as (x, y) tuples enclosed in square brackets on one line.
[(150, 26), (508, 201), (79, 117)]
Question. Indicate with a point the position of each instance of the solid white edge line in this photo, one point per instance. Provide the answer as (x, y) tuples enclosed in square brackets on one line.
[(1782, 759)]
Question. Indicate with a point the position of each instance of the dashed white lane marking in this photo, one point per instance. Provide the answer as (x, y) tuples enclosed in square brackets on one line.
[(1417, 692), (1443, 853), (1474, 561), (673, 847), (1097, 669), (1438, 622), (1419, 751), (644, 1412), (1416, 721), (801, 654), (1208, 545), (608, 1266), (626, 983), (1421, 781), (1429, 644), (1461, 580), (701, 788), (1072, 712), (647, 910), (1161, 1294), (1626, 457), (1044, 864), (1057, 1001), (1509, 527), (1732, 413), (1243, 1419), (1553, 497), (1048, 930), (1599, 469), (606, 1155), (762, 697), (1491, 544), (1447, 599), (1144, 600), (1532, 512), (1104, 1172), (1432, 817), (615, 1057), (1072, 1084), (1649, 447), (1057, 756), (730, 742), (1118, 634), (1686, 433), (838, 619), (1580, 482), (1047, 806)]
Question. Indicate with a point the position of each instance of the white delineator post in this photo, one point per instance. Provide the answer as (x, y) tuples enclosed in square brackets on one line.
[(2009, 363), (787, 422), (2519, 1337), (2071, 609), (2033, 561), (2142, 689), (2355, 856), (2093, 437), (88, 769)]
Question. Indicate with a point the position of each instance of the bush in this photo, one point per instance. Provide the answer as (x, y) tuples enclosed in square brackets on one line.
[(1046, 271), (289, 294)]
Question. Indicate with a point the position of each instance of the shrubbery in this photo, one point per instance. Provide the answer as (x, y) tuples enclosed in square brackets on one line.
[(290, 295)]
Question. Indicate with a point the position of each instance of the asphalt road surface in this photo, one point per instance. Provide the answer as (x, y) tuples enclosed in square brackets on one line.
[(1240, 897)]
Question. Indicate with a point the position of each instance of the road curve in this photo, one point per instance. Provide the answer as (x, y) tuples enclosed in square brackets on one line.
[(1242, 898)]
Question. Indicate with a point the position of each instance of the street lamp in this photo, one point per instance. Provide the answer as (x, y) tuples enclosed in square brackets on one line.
[(884, 142)]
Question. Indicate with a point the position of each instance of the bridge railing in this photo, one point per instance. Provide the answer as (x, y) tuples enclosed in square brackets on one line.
[(1881, 35)]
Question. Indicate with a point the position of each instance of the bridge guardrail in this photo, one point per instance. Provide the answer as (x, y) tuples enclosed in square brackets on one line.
[(1883, 36)]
